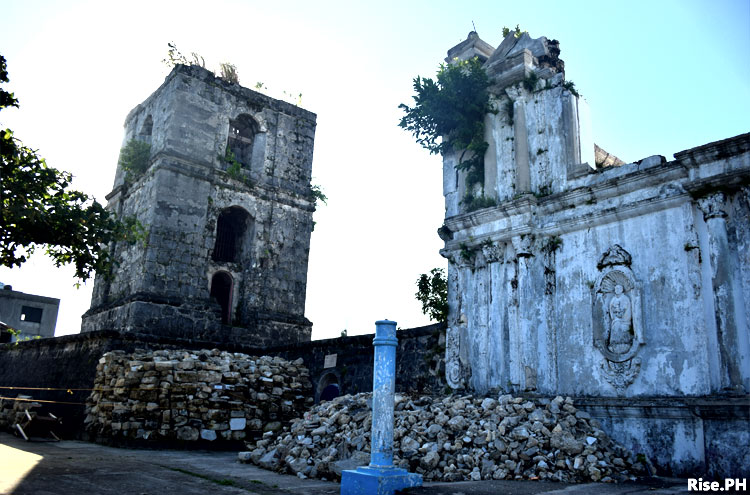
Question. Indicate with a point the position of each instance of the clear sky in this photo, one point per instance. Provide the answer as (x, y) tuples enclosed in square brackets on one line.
[(660, 76)]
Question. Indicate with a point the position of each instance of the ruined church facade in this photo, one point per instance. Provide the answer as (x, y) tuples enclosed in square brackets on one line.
[(226, 205), (627, 284)]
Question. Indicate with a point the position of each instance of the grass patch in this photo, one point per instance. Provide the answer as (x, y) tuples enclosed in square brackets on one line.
[(222, 482)]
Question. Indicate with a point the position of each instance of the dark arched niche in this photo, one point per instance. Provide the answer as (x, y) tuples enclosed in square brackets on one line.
[(328, 387), (233, 227), (146, 130), (241, 140), (221, 290)]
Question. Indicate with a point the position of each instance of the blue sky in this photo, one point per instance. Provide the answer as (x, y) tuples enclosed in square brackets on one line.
[(659, 77)]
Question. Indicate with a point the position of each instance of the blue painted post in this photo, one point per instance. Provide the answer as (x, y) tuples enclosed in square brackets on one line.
[(383, 392), (381, 477)]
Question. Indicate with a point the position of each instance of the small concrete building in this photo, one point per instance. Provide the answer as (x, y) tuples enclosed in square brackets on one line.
[(625, 285), (227, 206), (32, 316)]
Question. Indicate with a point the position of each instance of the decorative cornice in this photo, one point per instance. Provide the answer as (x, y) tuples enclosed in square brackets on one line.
[(718, 150)]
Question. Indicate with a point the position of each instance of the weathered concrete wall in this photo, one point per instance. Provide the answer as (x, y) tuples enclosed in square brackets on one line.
[(584, 280), (163, 285), (684, 436)]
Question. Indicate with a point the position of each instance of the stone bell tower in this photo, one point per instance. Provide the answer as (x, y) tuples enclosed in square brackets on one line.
[(227, 206)]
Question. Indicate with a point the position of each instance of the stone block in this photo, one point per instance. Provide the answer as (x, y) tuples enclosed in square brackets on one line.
[(209, 435), (237, 424)]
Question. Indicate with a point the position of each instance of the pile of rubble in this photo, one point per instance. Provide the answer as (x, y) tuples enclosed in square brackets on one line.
[(181, 395), (451, 439), (13, 412)]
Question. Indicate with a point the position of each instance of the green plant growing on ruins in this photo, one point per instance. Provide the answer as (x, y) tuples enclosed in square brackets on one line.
[(234, 168), (448, 113), (135, 158), (294, 99), (39, 209), (530, 81), (175, 57), (228, 72), (474, 203), (288, 96), (517, 33), (222, 482), (571, 86), (432, 292), (467, 253), (317, 194)]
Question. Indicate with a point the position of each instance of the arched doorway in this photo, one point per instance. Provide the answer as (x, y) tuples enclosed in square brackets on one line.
[(328, 387), (221, 290)]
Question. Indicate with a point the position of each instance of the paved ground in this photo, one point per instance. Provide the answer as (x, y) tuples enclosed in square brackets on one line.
[(69, 467)]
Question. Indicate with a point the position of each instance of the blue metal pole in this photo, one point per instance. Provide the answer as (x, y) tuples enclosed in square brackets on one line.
[(383, 392), (381, 477)]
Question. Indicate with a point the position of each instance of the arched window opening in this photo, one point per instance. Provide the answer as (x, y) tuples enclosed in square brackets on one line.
[(221, 290), (146, 130), (242, 131), (328, 387), (230, 231)]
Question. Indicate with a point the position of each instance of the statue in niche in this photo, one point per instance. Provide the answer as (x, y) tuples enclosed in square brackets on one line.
[(620, 334), (617, 319)]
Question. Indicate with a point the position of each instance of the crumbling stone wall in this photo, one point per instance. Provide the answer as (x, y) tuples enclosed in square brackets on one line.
[(593, 278), (187, 396), (70, 363), (348, 361)]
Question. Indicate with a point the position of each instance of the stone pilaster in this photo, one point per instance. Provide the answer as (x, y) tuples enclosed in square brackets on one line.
[(714, 212), (525, 338), (521, 140)]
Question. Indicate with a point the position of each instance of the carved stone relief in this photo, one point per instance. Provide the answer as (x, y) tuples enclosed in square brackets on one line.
[(523, 245), (712, 206), (614, 256), (453, 369), (617, 321), (493, 252)]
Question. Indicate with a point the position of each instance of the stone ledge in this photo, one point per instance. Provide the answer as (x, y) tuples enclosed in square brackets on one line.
[(717, 150), (706, 407)]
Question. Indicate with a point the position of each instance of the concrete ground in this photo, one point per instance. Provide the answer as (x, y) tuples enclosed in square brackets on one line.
[(71, 467)]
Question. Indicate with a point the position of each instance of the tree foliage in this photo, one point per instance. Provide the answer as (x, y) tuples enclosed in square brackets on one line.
[(451, 109), (433, 294), (40, 210)]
